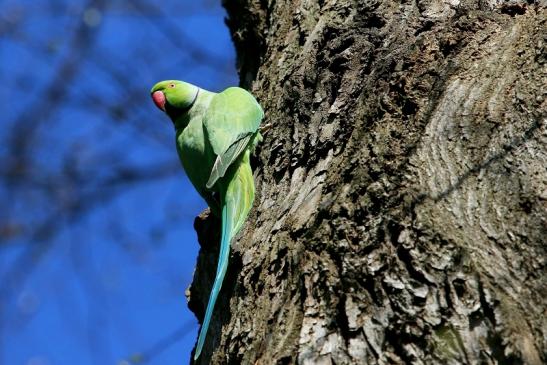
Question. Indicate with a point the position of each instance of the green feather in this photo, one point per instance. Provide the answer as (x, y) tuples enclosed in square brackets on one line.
[(228, 158)]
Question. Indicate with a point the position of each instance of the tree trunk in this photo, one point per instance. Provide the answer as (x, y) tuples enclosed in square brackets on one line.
[(401, 199)]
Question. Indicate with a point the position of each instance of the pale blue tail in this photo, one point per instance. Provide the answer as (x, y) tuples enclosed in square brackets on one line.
[(236, 201), (219, 278)]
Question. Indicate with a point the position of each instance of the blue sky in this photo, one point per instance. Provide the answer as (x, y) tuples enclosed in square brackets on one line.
[(96, 222)]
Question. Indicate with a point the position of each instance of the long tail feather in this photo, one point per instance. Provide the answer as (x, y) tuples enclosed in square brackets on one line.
[(236, 201), (219, 278)]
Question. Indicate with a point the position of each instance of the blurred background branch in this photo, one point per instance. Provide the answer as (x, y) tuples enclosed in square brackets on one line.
[(96, 238)]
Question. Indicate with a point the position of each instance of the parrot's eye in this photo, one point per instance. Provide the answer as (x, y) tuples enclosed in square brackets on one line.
[(172, 85)]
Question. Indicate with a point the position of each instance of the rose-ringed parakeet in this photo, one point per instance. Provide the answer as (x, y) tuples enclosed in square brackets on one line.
[(215, 135)]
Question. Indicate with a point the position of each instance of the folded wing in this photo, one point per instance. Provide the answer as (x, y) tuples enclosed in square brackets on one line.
[(231, 123)]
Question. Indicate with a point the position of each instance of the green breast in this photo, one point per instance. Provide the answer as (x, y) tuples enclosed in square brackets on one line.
[(196, 154)]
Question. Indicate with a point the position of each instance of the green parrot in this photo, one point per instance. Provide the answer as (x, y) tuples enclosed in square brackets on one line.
[(215, 135)]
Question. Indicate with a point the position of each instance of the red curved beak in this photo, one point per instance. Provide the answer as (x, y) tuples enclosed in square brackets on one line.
[(159, 99)]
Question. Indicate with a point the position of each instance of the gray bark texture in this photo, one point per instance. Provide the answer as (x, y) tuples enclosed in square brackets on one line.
[(400, 215)]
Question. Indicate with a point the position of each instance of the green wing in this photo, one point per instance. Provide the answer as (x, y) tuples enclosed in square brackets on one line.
[(231, 123)]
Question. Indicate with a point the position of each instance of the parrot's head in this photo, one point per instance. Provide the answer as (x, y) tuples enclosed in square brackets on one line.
[(174, 97)]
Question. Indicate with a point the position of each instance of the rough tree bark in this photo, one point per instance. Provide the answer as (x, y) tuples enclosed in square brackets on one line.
[(401, 193)]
